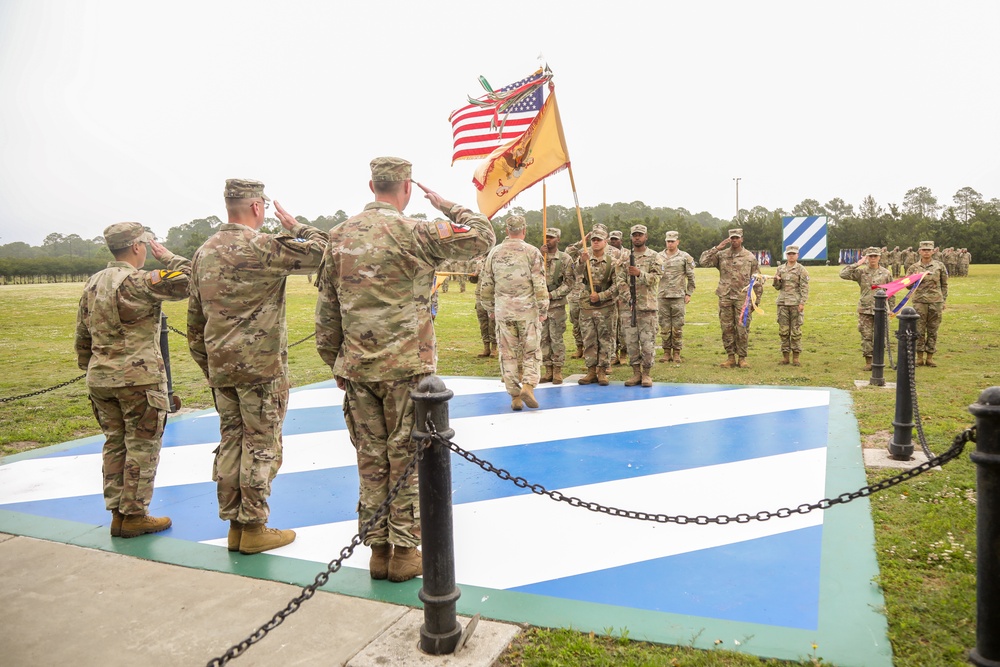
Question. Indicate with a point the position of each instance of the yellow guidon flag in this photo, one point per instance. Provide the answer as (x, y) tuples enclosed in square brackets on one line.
[(519, 164)]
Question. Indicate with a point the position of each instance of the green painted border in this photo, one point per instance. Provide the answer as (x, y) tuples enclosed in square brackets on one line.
[(853, 630)]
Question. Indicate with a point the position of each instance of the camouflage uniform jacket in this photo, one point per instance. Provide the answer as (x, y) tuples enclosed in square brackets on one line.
[(735, 269), (603, 271), (236, 313), (792, 283), (865, 276), (118, 322), (934, 286), (647, 283), (373, 320), (558, 276), (514, 282), (678, 275)]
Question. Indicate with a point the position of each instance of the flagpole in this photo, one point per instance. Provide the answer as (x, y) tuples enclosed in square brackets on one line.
[(545, 246), (579, 220)]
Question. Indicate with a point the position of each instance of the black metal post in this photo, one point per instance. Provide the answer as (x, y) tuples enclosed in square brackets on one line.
[(878, 344), (987, 458), (901, 447), (165, 352), (440, 631)]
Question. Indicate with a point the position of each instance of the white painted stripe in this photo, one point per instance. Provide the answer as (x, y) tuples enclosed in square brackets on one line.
[(561, 541), (333, 397), (70, 476)]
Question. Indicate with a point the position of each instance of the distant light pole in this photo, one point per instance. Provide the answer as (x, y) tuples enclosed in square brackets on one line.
[(737, 199)]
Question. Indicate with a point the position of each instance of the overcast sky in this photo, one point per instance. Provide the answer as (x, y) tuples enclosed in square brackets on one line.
[(113, 111)]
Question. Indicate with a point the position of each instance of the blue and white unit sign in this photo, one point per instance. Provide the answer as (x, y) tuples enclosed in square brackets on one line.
[(808, 233)]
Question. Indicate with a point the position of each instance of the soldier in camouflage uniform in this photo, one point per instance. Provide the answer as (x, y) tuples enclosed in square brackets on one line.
[(617, 250), (964, 258), (641, 338), (736, 266), (573, 299), (515, 294), (118, 345), (373, 328), (896, 261), (792, 282), (487, 330), (559, 280), (237, 335), (867, 272), (597, 306), (929, 302), (676, 288)]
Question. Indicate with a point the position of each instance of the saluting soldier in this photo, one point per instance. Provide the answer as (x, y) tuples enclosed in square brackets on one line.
[(374, 330), (118, 345), (867, 272), (736, 265), (929, 301), (792, 282), (676, 288), (237, 335), (559, 281)]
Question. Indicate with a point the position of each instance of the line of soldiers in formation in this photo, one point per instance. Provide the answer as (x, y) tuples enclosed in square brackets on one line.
[(619, 300), (956, 260)]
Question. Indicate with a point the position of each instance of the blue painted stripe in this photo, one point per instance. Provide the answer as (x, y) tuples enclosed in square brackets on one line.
[(330, 495), (770, 580)]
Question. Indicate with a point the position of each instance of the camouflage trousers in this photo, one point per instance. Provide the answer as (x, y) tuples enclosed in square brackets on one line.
[(671, 320), (897, 270), (249, 452), (486, 329), (735, 336), (928, 325), (461, 282), (790, 328), (620, 343), (574, 318), (866, 327), (553, 330), (380, 417), (519, 343), (641, 338), (132, 420), (597, 327)]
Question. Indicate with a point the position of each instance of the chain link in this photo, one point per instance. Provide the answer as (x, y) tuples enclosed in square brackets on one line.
[(968, 435), (911, 346), (236, 650), (182, 333), (42, 391)]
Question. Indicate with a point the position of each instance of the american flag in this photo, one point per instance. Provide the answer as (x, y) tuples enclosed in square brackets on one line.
[(476, 134)]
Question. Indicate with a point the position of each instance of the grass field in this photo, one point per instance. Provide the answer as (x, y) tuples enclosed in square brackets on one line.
[(925, 529)]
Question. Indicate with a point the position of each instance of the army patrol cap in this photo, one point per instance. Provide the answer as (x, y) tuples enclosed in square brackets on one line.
[(390, 169), (736, 233), (615, 235), (673, 236), (554, 232), (927, 245), (599, 232), (638, 229), (243, 188), (515, 223), (873, 251), (123, 234), (792, 249)]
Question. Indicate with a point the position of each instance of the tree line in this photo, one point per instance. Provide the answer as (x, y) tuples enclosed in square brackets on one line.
[(971, 222)]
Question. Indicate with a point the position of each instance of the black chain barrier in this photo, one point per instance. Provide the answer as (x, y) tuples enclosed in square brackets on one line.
[(911, 346), (299, 342), (236, 650), (42, 391), (958, 444)]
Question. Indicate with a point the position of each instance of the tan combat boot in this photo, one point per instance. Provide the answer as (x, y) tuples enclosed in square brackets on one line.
[(557, 377), (647, 379), (590, 377), (486, 351), (406, 563), (666, 358), (516, 404), (579, 352), (730, 362), (795, 359), (920, 358), (234, 536), (134, 525), (784, 358), (116, 523), (257, 537), (528, 395), (636, 377), (602, 376), (546, 376), (493, 350), (743, 363), (378, 564), (868, 363), (676, 357), (930, 360)]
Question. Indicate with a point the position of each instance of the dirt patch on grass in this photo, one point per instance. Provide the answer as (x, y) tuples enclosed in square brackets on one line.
[(877, 440), (20, 446)]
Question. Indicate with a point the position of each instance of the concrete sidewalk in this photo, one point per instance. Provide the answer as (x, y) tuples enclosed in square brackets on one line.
[(64, 604)]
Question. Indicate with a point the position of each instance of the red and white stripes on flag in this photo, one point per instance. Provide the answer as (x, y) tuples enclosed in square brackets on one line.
[(479, 130)]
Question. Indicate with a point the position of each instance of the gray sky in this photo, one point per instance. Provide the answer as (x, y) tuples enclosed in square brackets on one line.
[(123, 110)]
